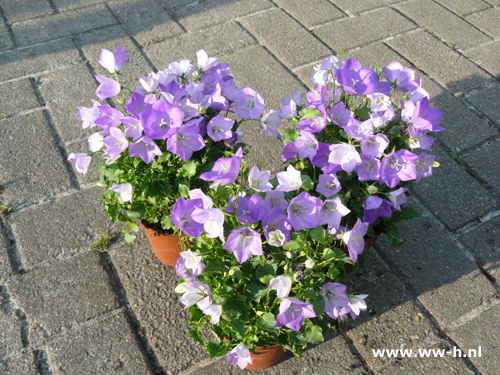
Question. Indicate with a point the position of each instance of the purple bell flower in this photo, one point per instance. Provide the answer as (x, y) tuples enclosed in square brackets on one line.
[(293, 312)]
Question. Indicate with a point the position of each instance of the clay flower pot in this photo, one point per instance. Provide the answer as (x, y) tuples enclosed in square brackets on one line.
[(265, 357), (167, 247)]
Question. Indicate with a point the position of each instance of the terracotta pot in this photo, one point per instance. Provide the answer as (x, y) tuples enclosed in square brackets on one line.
[(166, 246), (265, 357), (368, 243)]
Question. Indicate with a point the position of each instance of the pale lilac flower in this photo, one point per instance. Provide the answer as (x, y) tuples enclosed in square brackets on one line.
[(356, 305), (194, 293), (161, 119), (259, 181), (225, 170), (282, 285), (423, 166), (307, 145), (212, 220), (188, 273), (182, 68), (248, 103), (341, 115), (220, 128), (344, 155), (400, 78), (359, 130), (374, 145), (289, 180), (331, 212), (108, 118), (149, 83), (88, 115), (398, 198), (185, 141), (96, 142), (276, 238), (382, 119), (116, 142), (244, 242), (355, 79), (113, 62), (303, 211), (239, 355), (278, 199), (110, 159), (368, 169), (418, 139), (398, 166), (379, 102), (136, 104), (316, 124), (293, 312), (125, 191), (108, 87), (335, 298), (376, 207), (418, 93), (328, 185), (270, 122), (214, 311), (133, 127), (289, 151), (354, 239), (276, 220), (320, 160), (198, 194), (204, 62), (182, 216), (81, 161), (145, 148)]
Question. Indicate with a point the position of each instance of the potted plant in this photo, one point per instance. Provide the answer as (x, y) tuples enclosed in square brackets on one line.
[(161, 137), (267, 255)]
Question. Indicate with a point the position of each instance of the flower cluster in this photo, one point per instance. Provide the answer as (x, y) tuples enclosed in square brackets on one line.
[(166, 130)]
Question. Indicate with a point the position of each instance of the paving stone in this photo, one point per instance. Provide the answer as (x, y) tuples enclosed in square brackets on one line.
[(487, 56), (61, 228), (353, 7), (93, 175), (443, 23), (69, 292), (447, 193), (63, 91), (63, 24), (443, 278), (106, 347), (150, 288), (5, 267), (35, 168), (483, 331), (20, 364), (363, 29), (43, 57), (488, 21), (486, 163), (286, 39), (441, 62), (111, 38), (146, 19), (211, 12), (5, 40), (20, 10), (215, 41), (484, 243), (17, 96), (464, 7), (64, 5), (10, 334), (486, 101), (312, 12)]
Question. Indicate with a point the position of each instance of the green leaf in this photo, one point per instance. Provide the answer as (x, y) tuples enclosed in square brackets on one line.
[(318, 306), (256, 292), (310, 113), (215, 265), (222, 192), (267, 321), (133, 226), (397, 242), (166, 223), (239, 325), (328, 253), (379, 71), (128, 237), (290, 135), (318, 233), (393, 231), (137, 213), (195, 335), (189, 168), (233, 309), (265, 273), (196, 314), (363, 113), (297, 337), (214, 350), (406, 213), (297, 242), (184, 191), (333, 272), (307, 183), (313, 334)]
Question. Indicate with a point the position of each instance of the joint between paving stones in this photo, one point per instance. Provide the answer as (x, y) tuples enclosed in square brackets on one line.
[(13, 252), (41, 362), (339, 8), (54, 7), (7, 305), (355, 352), (172, 14), (9, 28)]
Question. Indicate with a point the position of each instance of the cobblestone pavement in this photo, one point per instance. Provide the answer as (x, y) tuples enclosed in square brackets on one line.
[(67, 310)]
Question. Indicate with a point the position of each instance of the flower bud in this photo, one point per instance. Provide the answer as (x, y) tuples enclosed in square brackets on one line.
[(231, 272), (289, 255), (310, 263), (435, 164), (348, 195), (372, 189)]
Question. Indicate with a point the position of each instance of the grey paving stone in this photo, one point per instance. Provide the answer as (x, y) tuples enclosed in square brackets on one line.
[(5, 267), (486, 163), (43, 57), (488, 57), (150, 288), (63, 24), (464, 7), (285, 38), (111, 38), (452, 194), (21, 364), (17, 96), (353, 7), (486, 101), (483, 331), (35, 168), (106, 347), (443, 278), (211, 12), (20, 10), (312, 12), (363, 29), (440, 62), (10, 334), (5, 40), (64, 5), (69, 292), (64, 90), (484, 243), (92, 174), (216, 40), (61, 228), (443, 23), (147, 20), (488, 21)]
